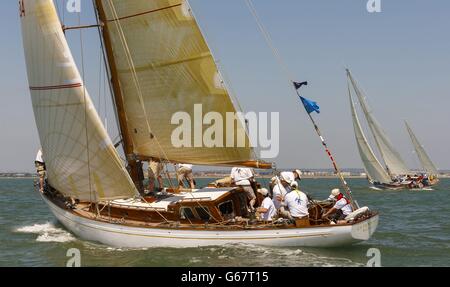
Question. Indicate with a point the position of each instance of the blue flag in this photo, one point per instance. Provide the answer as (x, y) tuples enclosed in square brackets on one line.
[(310, 106)]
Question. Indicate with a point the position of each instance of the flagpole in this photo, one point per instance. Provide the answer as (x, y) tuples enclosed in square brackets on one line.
[(336, 167)]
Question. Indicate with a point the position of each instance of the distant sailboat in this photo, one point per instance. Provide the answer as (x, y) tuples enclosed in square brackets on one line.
[(159, 63), (428, 166), (390, 176)]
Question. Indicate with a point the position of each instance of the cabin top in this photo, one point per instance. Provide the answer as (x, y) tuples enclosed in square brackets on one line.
[(209, 194)]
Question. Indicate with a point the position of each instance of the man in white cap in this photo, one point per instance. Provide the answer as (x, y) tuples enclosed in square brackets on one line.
[(281, 185), (267, 208), (290, 176), (341, 208), (296, 202)]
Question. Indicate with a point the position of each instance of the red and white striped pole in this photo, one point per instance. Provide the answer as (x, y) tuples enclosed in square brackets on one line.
[(336, 168)]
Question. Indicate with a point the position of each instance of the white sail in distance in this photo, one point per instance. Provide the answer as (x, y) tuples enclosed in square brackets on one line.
[(164, 66), (374, 169), (391, 157), (425, 160), (80, 158)]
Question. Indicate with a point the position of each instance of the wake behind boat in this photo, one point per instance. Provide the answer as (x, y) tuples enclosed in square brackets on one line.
[(159, 64), (395, 175)]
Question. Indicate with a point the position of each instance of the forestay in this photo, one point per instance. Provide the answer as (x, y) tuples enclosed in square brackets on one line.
[(80, 158)]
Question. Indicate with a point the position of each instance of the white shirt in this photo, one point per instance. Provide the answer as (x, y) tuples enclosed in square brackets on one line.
[(278, 190), (271, 210), (342, 205), (288, 176), (241, 176), (185, 165), (297, 203), (39, 157)]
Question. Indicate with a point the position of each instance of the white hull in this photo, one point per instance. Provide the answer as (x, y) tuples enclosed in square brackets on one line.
[(117, 235)]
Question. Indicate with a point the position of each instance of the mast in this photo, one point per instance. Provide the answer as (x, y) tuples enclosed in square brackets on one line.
[(134, 166)]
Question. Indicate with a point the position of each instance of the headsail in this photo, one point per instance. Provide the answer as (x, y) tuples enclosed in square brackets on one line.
[(80, 158), (164, 67), (425, 160), (391, 157), (373, 168)]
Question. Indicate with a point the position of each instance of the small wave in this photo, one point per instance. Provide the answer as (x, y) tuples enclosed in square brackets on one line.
[(258, 255), (47, 233)]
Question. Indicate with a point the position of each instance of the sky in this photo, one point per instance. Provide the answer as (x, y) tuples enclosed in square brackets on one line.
[(400, 57)]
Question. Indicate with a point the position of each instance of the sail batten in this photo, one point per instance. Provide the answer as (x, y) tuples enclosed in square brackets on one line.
[(394, 162), (425, 160), (80, 159), (165, 67), (374, 169)]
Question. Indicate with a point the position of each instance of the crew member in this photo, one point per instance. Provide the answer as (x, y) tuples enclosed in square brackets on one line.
[(290, 176), (40, 168), (296, 203), (267, 208), (243, 177), (341, 209), (155, 169), (184, 171)]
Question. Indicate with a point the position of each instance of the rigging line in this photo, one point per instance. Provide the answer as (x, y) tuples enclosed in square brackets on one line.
[(287, 72), (85, 111), (100, 82), (135, 78), (107, 72), (63, 11), (134, 74), (225, 80), (156, 210), (58, 11), (137, 84), (269, 41)]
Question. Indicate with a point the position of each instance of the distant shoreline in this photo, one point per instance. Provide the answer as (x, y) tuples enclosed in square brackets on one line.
[(218, 176)]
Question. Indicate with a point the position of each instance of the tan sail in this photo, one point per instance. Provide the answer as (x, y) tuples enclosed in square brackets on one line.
[(164, 66), (80, 158)]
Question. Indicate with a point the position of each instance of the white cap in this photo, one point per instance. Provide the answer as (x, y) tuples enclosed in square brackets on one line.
[(285, 178), (335, 193), (294, 185), (299, 172), (263, 191)]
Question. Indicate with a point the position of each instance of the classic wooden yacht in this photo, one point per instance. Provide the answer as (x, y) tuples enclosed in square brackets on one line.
[(159, 64), (209, 216)]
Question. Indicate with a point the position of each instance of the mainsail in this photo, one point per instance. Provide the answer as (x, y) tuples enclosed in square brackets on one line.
[(372, 166), (425, 160), (392, 159), (164, 66), (80, 158)]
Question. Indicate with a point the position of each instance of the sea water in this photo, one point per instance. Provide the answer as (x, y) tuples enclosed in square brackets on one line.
[(414, 230)]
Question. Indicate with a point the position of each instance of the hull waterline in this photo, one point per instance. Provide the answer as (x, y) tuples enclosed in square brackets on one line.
[(117, 235)]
